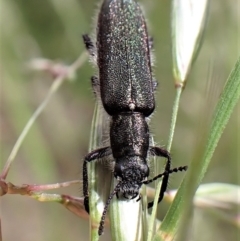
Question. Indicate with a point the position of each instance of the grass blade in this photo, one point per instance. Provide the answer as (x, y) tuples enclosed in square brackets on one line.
[(179, 211)]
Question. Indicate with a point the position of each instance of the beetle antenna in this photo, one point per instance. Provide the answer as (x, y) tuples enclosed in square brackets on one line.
[(101, 225), (176, 169)]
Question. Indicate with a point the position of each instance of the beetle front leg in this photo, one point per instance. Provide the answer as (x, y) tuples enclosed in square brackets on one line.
[(96, 154)]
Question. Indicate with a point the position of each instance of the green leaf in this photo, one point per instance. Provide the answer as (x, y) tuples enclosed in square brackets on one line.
[(180, 209)]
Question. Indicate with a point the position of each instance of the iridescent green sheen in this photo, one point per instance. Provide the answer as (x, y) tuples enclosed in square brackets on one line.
[(124, 58)]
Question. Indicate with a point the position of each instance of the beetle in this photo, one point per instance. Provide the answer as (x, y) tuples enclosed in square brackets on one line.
[(126, 88)]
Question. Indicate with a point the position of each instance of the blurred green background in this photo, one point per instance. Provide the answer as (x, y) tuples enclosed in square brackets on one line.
[(55, 146)]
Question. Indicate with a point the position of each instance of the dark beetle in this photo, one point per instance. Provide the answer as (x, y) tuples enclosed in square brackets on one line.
[(126, 87)]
